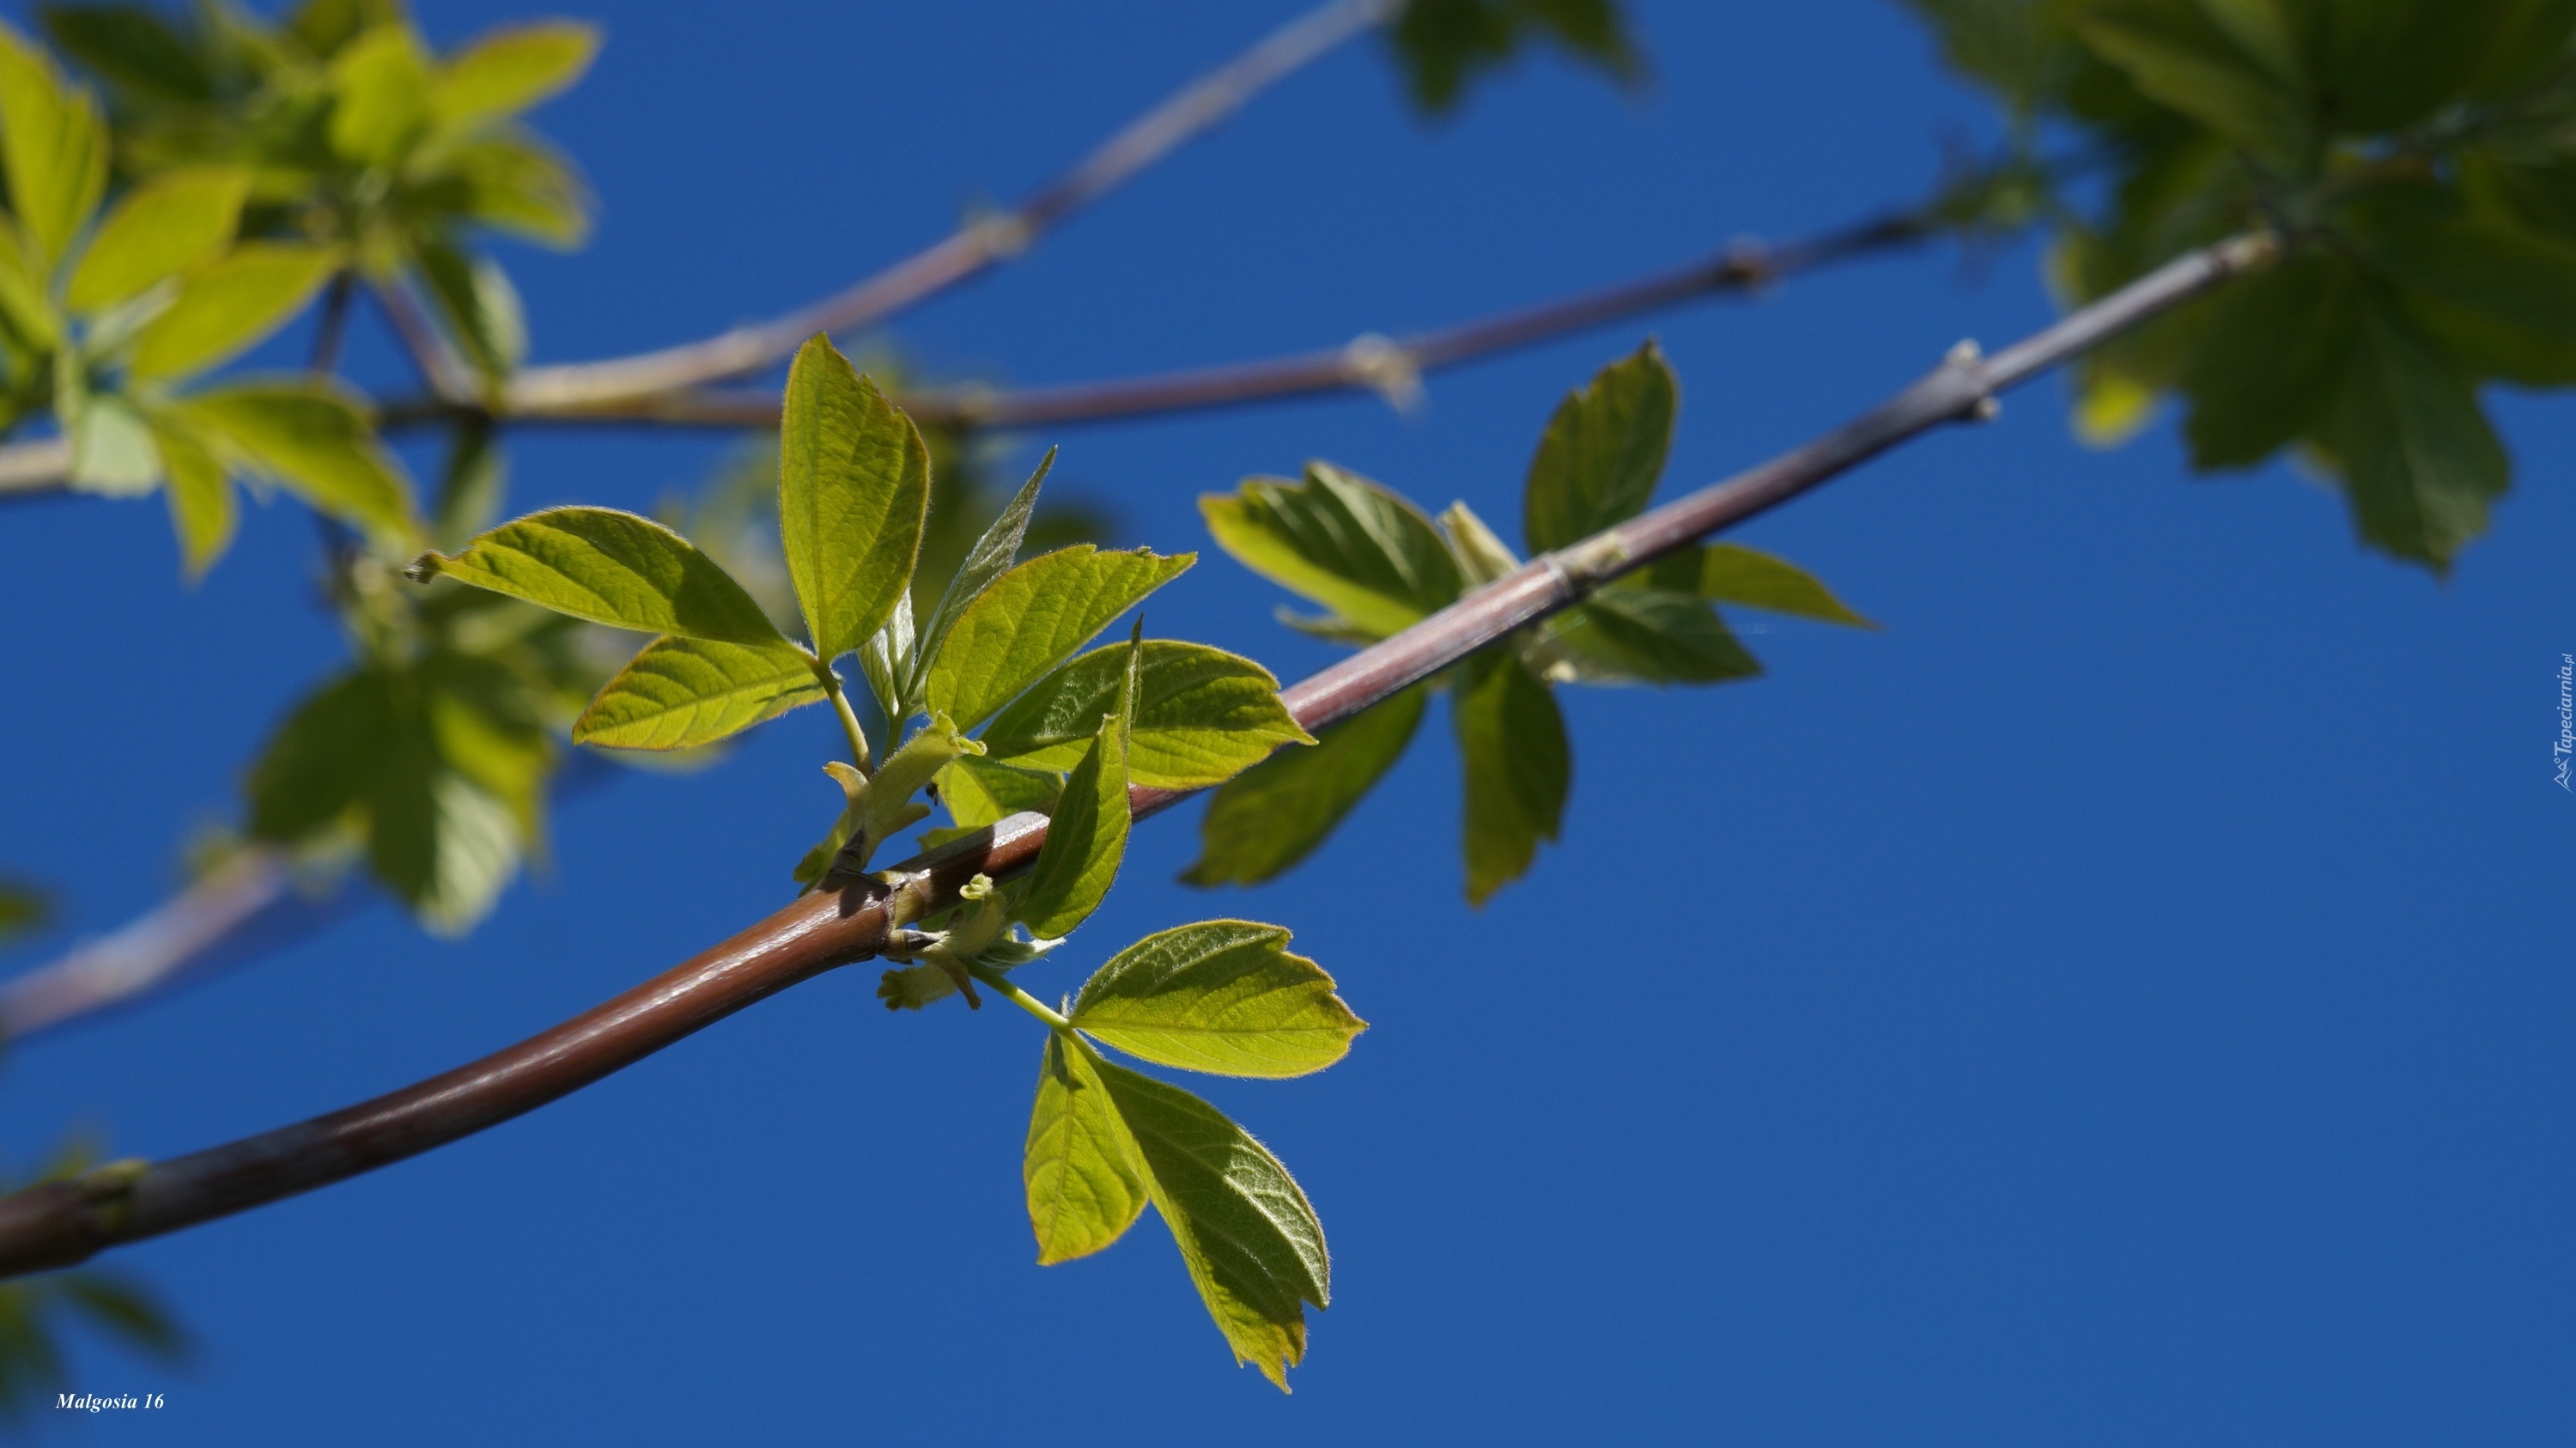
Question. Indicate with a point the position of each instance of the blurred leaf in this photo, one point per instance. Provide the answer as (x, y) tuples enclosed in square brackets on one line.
[(1518, 769), (132, 47), (2389, 63), (506, 70), (161, 228), (1661, 636), (232, 305), (853, 494), (310, 436), (1441, 44), (24, 909), (980, 791), (1483, 558), (1602, 453), (514, 183), (203, 510), (24, 301), (683, 692), (1084, 1192), (481, 307), (1086, 835), (1246, 1232), (1733, 573), (315, 768), (2512, 293), (126, 1311), (470, 492), (54, 144), (2274, 356), (1032, 619), (2186, 58), (1206, 715), (1223, 996), (112, 452), (1355, 547), (323, 27), (380, 87), (614, 568), (1274, 814), (2417, 457), (991, 556)]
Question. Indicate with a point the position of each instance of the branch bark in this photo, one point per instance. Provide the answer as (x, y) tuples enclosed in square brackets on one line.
[(61, 1223)]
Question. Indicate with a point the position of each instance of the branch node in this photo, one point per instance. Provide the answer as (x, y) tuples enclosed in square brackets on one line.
[(1384, 366), (1748, 263)]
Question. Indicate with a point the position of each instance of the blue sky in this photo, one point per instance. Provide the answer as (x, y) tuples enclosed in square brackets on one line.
[(2125, 1001)]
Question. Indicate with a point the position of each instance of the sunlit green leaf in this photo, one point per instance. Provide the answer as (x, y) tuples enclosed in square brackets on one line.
[(515, 183), (25, 304), (1084, 1191), (1511, 741), (1034, 618), (1087, 834), (1206, 715), (160, 229), (1602, 453), (853, 493), (1245, 1230), (203, 510), (232, 305), (1732, 573), (1651, 636), (310, 437), (380, 87), (882, 806), (680, 693), (55, 145), (1274, 814), (613, 568), (506, 70), (987, 559), (981, 791), (1349, 544), (1223, 996)]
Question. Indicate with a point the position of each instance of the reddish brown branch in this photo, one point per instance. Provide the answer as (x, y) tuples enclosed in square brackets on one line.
[(64, 1222)]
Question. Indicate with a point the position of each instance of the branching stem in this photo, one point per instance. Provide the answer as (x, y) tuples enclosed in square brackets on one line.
[(1000, 984)]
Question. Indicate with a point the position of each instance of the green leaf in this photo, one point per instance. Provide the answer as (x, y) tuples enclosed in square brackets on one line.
[(325, 27), (476, 477), (55, 145), (1347, 543), (1274, 814), (161, 228), (132, 48), (1084, 1192), (480, 305), (380, 89), (680, 693), (1034, 618), (516, 184), (25, 303), (1222, 996), (314, 769), (882, 806), (2415, 235), (126, 1311), (2178, 54), (2389, 63), (991, 556), (2273, 356), (614, 568), (112, 451), (231, 305), (1483, 557), (1206, 715), (508, 69), (311, 437), (1518, 769), (853, 494), (1087, 835), (2418, 459), (1732, 573), (1441, 44), (1245, 1230), (203, 510), (1602, 453), (24, 909), (981, 792), (883, 659), (1661, 636)]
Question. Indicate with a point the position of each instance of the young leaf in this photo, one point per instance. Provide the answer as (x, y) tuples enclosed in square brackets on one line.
[(1349, 544), (1087, 834), (311, 438), (853, 494), (1274, 814), (2418, 459), (883, 659), (480, 305), (1033, 618), (161, 228), (981, 792), (883, 806), (1084, 1191), (1512, 742), (992, 555), (1205, 715), (470, 493), (680, 693), (1482, 557), (1665, 637), (513, 183), (508, 69), (1222, 996), (112, 451), (325, 27), (1603, 451), (231, 305), (131, 48), (202, 506), (380, 95), (1245, 1230), (55, 145), (613, 568), (1732, 573)]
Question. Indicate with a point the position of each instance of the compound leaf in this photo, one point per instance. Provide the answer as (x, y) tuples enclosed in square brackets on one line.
[(1084, 1190), (1603, 451), (1349, 544), (1205, 715), (1222, 996)]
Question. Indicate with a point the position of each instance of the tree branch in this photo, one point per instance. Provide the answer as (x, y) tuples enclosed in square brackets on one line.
[(969, 250), (64, 1222)]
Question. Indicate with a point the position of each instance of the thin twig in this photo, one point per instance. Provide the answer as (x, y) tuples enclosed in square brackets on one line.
[(969, 250), (333, 326), (440, 370), (64, 1222)]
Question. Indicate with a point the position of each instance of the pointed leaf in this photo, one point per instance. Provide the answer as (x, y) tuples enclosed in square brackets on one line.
[(992, 555), (2419, 461), (231, 305), (1086, 837), (480, 305), (613, 568), (1033, 618), (131, 48), (1660, 636), (1274, 814), (1223, 996), (883, 658), (2268, 366), (380, 95), (325, 27), (982, 792), (161, 228), (1482, 557), (202, 507), (1602, 453), (1511, 741), (515, 183), (311, 437), (2182, 57), (55, 145), (853, 494), (1732, 573), (508, 69), (1084, 1192), (1349, 544), (680, 693), (1205, 716)]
